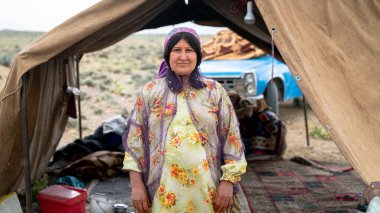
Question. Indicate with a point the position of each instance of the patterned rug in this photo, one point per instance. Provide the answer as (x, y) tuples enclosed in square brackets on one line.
[(286, 186)]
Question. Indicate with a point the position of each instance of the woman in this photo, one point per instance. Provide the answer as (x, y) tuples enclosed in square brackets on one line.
[(182, 142)]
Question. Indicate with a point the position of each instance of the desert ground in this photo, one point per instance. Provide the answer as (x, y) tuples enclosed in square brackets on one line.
[(111, 78)]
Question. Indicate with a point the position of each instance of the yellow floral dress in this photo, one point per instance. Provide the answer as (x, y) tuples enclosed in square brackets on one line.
[(186, 184)]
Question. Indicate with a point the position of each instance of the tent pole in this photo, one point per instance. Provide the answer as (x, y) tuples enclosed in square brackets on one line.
[(306, 126), (77, 60), (25, 139)]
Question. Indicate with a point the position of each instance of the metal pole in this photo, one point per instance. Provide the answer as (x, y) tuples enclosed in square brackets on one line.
[(77, 59), (25, 140), (306, 126)]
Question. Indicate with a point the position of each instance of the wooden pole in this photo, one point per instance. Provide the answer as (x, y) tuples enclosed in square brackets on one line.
[(78, 57), (25, 140), (306, 126)]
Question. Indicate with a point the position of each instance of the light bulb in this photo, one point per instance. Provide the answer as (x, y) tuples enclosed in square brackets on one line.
[(249, 17)]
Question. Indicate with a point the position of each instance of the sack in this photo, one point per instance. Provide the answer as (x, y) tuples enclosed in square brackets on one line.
[(371, 191)]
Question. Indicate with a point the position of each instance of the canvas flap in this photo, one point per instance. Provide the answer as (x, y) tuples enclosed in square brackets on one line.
[(333, 48)]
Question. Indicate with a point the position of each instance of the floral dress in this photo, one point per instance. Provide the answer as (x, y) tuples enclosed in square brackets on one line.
[(186, 184), (183, 145)]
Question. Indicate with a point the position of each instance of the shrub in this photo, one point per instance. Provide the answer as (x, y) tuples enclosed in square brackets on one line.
[(116, 71), (319, 133), (5, 60), (84, 96), (102, 87), (106, 97), (107, 81), (97, 111), (127, 70), (103, 55), (136, 77), (89, 83), (39, 185), (72, 123), (148, 66), (16, 48)]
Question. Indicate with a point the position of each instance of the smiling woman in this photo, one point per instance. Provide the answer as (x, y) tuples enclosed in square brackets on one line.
[(183, 58), (182, 144), (183, 52)]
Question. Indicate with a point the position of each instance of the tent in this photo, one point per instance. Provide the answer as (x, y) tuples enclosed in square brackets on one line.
[(333, 47)]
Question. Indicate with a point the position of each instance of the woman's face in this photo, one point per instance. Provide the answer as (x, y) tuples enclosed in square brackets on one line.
[(183, 58)]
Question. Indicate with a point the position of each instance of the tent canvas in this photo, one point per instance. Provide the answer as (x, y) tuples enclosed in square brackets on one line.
[(333, 46)]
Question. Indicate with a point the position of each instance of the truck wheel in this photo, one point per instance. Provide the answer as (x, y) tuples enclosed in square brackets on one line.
[(271, 95)]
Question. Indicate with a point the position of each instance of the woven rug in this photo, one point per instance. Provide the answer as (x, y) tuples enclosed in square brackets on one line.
[(286, 186)]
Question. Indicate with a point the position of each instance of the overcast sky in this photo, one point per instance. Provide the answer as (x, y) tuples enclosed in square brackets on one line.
[(44, 15)]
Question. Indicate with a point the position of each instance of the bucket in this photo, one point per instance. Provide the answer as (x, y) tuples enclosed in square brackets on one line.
[(101, 204)]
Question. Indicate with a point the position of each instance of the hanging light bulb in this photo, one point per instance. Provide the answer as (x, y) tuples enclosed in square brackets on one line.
[(249, 17)]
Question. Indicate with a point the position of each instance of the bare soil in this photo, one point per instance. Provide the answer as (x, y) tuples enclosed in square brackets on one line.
[(320, 149)]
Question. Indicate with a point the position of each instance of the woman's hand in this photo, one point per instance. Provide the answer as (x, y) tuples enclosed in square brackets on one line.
[(140, 198), (223, 199)]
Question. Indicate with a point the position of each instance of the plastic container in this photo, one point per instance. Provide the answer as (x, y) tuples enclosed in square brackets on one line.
[(62, 199)]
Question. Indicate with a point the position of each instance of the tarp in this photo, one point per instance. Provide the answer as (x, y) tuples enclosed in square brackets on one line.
[(333, 46)]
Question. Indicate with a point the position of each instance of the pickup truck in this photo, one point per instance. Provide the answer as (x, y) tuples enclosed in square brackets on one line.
[(251, 78)]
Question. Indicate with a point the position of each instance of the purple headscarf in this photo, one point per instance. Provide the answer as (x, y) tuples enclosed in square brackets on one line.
[(164, 66)]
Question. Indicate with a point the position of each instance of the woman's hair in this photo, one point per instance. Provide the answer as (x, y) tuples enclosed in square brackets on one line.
[(172, 79)]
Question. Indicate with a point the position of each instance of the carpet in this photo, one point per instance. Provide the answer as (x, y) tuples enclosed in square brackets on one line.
[(286, 186)]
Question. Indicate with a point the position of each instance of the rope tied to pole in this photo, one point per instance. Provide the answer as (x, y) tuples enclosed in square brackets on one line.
[(272, 51)]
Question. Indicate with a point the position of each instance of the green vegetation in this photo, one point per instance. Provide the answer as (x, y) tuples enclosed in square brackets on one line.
[(98, 111), (319, 133), (73, 123), (40, 184)]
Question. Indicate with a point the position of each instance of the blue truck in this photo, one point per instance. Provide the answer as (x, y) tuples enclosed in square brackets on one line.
[(251, 78)]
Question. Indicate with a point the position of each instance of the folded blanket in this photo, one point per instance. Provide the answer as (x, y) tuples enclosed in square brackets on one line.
[(97, 165)]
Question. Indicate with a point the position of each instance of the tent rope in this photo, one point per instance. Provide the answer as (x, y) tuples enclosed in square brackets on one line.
[(272, 44)]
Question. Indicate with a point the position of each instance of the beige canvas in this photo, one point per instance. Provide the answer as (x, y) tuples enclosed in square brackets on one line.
[(334, 48)]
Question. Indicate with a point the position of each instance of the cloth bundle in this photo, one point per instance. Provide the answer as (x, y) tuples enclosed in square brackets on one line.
[(97, 165)]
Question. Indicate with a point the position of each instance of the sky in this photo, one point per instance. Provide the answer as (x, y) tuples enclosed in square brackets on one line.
[(44, 15)]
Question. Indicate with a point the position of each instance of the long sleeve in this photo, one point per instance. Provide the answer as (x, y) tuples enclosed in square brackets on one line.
[(232, 146), (232, 170), (133, 139)]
